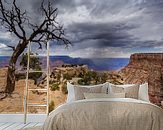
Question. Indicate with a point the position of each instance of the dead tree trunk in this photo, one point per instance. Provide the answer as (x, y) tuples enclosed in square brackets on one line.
[(10, 86)]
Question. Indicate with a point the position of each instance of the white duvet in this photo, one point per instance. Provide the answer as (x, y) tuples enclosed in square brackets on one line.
[(106, 114)]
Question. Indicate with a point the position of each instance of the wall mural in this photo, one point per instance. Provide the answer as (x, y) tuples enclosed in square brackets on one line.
[(111, 41)]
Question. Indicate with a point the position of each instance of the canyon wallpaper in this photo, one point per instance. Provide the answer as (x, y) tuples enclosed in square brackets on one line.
[(117, 41)]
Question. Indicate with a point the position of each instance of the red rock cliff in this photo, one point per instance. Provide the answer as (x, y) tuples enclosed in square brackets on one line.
[(146, 67)]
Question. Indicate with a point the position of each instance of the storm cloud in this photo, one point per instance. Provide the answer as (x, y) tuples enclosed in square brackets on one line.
[(106, 28)]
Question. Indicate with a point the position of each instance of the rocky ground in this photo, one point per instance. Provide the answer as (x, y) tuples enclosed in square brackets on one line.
[(14, 104), (57, 91)]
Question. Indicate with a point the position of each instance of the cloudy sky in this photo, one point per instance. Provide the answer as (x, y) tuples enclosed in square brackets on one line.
[(102, 28)]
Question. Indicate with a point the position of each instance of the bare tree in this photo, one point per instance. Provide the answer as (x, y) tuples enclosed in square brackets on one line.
[(15, 21)]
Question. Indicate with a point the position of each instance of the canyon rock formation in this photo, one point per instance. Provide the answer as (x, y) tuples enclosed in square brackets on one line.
[(146, 67)]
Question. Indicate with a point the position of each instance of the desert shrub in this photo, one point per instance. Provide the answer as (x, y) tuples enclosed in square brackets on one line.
[(82, 82), (101, 78), (67, 76), (88, 77), (64, 89), (54, 86), (58, 76), (104, 78), (35, 64), (81, 75), (51, 106), (92, 74)]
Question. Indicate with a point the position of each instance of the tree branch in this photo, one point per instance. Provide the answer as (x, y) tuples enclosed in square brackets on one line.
[(12, 47), (9, 18), (49, 29), (20, 18)]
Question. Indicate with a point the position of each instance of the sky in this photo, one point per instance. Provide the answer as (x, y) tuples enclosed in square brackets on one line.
[(101, 28)]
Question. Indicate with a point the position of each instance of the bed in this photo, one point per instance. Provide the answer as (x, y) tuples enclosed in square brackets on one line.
[(105, 113)]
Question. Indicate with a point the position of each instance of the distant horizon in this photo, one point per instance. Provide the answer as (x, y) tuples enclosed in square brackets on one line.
[(127, 57), (98, 64), (75, 57)]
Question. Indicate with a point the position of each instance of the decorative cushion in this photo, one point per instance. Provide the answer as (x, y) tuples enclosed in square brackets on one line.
[(103, 95), (71, 91), (131, 90), (143, 92), (79, 91)]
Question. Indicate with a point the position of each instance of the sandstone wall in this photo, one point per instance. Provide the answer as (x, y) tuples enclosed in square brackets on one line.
[(146, 67)]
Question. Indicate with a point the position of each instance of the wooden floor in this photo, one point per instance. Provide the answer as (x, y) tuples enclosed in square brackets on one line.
[(15, 121), (17, 126)]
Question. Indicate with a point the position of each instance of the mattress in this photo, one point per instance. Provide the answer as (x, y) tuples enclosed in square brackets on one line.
[(106, 114)]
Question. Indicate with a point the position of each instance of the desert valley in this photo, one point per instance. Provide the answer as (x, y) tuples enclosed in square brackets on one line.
[(141, 68)]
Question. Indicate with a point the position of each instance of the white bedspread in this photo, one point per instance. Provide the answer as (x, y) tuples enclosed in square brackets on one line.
[(106, 114)]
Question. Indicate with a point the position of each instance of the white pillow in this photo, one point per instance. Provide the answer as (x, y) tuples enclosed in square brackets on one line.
[(104, 88), (71, 92), (103, 95), (131, 90), (126, 85), (143, 92), (109, 89)]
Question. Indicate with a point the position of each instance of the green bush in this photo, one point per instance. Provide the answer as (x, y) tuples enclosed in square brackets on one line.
[(35, 64), (51, 106), (83, 82), (64, 89), (67, 76), (54, 87), (104, 78), (90, 76)]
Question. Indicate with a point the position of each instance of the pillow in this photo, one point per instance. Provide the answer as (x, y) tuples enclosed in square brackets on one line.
[(71, 92), (103, 95), (104, 88), (109, 90), (131, 90), (143, 92), (79, 91)]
